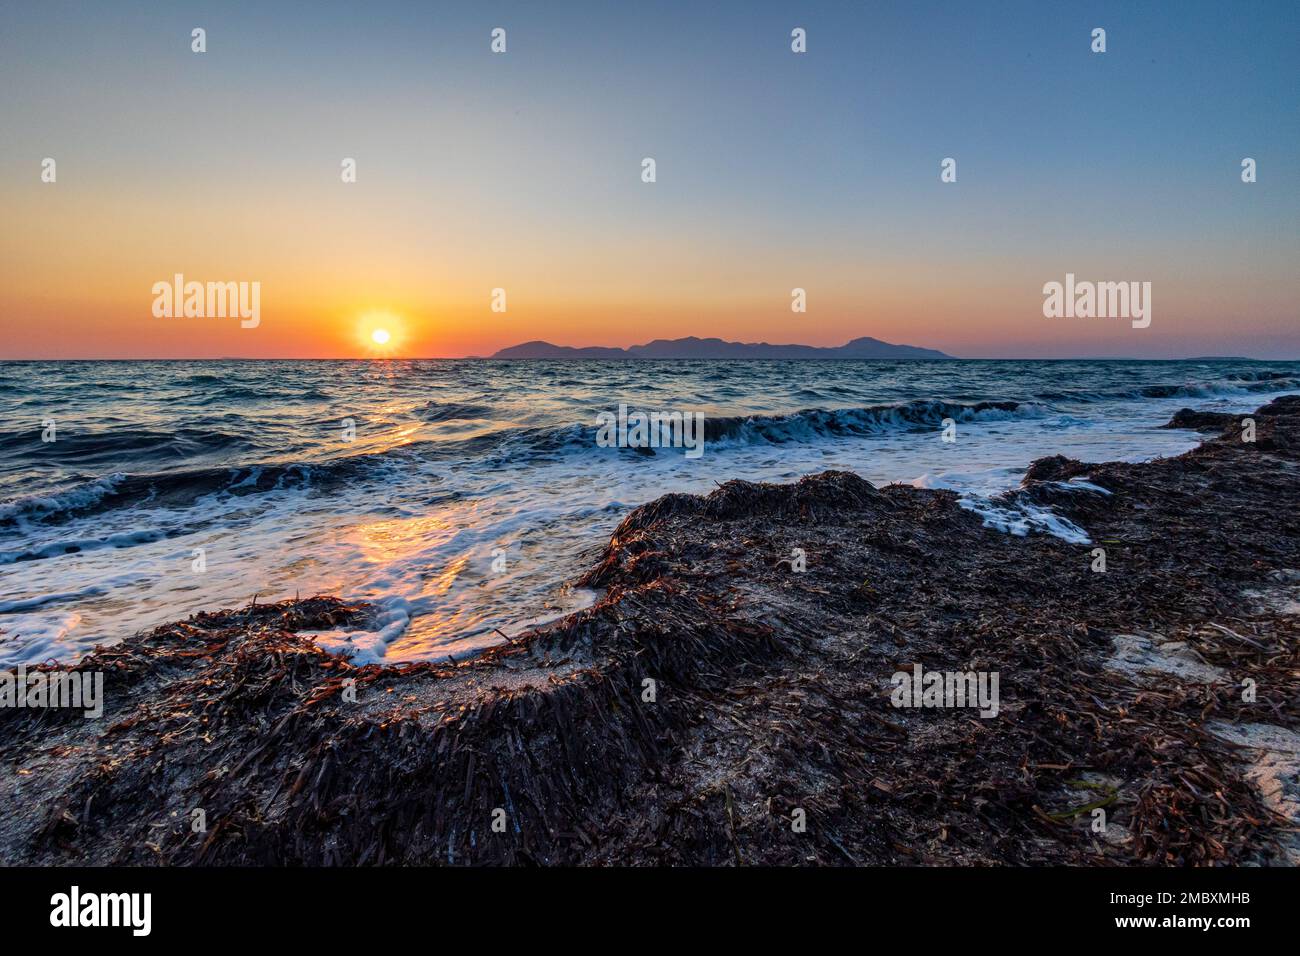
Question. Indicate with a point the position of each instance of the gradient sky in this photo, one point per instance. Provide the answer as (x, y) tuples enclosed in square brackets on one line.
[(775, 170)]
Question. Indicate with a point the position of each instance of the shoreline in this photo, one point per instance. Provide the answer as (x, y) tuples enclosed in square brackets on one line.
[(1120, 691)]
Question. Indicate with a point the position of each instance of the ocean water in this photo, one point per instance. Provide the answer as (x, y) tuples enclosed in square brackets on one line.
[(472, 491)]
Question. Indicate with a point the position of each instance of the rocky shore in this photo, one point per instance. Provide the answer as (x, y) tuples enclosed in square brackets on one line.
[(728, 700)]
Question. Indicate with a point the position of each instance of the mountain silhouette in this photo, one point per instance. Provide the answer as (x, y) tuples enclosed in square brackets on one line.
[(697, 348)]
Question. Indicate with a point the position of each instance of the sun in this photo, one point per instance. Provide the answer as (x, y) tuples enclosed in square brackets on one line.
[(381, 333)]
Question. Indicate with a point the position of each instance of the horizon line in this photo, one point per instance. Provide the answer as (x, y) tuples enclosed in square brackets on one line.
[(490, 358)]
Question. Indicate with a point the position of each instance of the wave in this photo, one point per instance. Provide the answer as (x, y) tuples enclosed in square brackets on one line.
[(805, 425), (90, 448), (82, 497), (1259, 376), (452, 411), (180, 489), (815, 423), (1242, 383), (249, 393)]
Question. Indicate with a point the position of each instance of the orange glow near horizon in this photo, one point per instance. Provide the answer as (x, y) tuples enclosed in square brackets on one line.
[(608, 286), (323, 302)]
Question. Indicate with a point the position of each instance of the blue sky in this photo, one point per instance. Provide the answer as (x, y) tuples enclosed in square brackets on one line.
[(775, 170)]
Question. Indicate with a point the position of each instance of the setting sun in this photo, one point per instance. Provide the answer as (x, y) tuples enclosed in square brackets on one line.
[(381, 332)]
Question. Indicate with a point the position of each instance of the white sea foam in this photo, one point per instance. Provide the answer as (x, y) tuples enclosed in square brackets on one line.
[(81, 496)]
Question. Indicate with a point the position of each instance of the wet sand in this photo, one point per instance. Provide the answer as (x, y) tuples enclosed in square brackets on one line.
[(771, 737)]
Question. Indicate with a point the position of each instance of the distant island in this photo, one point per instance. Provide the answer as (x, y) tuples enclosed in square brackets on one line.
[(697, 348)]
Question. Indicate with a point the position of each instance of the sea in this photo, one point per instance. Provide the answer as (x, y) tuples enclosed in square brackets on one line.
[(462, 497)]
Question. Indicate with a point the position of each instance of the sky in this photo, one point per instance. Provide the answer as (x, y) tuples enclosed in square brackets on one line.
[(774, 170)]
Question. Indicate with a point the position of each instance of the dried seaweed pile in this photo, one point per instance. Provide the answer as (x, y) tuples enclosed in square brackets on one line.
[(769, 704)]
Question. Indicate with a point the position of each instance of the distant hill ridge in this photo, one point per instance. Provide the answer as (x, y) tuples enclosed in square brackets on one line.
[(697, 348)]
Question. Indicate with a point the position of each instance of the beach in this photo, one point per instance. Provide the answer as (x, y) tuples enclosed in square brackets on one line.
[(730, 697), (850, 442)]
